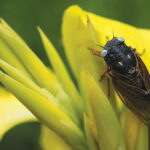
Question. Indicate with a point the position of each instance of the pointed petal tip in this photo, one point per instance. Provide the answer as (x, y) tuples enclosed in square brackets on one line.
[(39, 29)]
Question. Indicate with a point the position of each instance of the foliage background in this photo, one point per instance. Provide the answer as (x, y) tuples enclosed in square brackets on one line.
[(24, 16)]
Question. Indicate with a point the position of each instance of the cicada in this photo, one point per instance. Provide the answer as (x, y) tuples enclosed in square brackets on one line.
[(129, 75)]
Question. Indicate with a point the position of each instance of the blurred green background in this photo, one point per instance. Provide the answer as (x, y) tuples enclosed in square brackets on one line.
[(25, 15)]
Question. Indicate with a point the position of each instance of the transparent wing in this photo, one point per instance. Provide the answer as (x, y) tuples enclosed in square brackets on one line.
[(134, 98)]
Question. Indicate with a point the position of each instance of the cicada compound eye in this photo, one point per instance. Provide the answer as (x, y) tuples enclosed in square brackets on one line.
[(104, 53), (121, 39)]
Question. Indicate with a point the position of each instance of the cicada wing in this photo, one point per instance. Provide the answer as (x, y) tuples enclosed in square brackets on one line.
[(144, 73), (134, 98)]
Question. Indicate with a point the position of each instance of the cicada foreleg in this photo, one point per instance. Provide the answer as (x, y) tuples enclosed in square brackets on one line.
[(104, 74), (108, 80)]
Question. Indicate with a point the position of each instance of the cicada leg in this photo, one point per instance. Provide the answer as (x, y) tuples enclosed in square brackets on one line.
[(108, 80), (108, 83), (104, 74), (139, 54)]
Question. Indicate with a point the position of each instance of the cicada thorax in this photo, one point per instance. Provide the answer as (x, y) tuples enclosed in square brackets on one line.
[(129, 75)]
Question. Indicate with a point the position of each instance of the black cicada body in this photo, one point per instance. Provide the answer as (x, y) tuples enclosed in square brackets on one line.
[(129, 75)]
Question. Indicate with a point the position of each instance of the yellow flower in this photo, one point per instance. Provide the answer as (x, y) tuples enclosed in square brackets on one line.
[(81, 115)]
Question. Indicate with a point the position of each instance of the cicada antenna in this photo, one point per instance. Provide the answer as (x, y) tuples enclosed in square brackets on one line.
[(107, 38), (113, 33), (100, 45)]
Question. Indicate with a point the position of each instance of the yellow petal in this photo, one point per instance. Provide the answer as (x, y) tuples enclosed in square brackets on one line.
[(108, 126), (46, 112), (133, 128), (143, 138), (19, 76), (76, 39), (92, 143), (145, 36), (6, 53), (76, 42), (62, 74), (38, 70), (9, 57), (78, 33), (12, 112), (50, 140), (62, 99)]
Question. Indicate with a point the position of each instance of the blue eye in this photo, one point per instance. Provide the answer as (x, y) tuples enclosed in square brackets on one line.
[(104, 53), (121, 39)]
